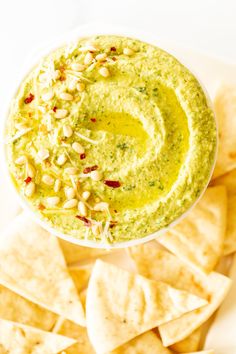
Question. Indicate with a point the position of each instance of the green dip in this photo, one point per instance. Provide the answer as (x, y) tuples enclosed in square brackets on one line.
[(110, 139)]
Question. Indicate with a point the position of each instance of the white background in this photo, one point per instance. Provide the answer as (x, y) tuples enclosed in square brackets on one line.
[(205, 25)]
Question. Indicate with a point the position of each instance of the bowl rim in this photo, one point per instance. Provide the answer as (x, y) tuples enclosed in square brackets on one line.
[(83, 32)]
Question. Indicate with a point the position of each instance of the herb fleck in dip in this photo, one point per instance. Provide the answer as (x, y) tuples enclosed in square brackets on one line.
[(110, 139)]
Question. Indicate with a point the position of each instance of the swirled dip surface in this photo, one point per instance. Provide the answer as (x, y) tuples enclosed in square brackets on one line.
[(110, 138)]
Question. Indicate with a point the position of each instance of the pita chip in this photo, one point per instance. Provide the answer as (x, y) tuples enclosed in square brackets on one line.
[(225, 109), (122, 305), (189, 343), (176, 330), (14, 307), (18, 338), (74, 253), (147, 343), (33, 266), (72, 330), (229, 181), (198, 238), (80, 276)]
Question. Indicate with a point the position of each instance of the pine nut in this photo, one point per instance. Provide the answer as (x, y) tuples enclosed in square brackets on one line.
[(30, 170), (21, 160), (72, 85), (82, 209), (30, 189), (104, 72), (88, 48), (96, 175), (86, 195), (52, 201), (67, 131), (101, 206), (65, 96), (77, 147), (70, 204), (128, 51), (61, 159), (101, 56), (61, 113), (80, 86), (78, 67), (57, 185), (88, 59), (46, 179), (47, 96), (71, 170), (43, 154), (69, 192)]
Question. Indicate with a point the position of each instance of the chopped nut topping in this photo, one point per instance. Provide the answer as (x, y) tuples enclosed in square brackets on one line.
[(52, 201), (69, 193), (21, 160), (77, 147), (46, 179), (57, 185), (78, 67), (70, 204), (101, 206), (47, 96), (86, 195), (65, 96), (103, 71), (61, 160), (101, 57), (82, 209), (61, 113), (67, 131), (128, 51), (71, 170), (43, 154), (29, 189), (88, 59), (96, 175), (30, 170)]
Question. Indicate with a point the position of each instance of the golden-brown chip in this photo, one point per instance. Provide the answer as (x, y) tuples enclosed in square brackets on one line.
[(198, 238), (122, 305)]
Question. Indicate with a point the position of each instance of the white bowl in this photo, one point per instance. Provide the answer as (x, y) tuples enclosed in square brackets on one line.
[(80, 32)]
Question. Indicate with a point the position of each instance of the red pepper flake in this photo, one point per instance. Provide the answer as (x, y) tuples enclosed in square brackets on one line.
[(113, 223), (112, 184), (29, 98), (54, 108), (93, 120), (41, 206), (115, 211), (28, 180), (86, 221), (62, 78), (114, 58), (82, 156), (90, 169), (113, 49)]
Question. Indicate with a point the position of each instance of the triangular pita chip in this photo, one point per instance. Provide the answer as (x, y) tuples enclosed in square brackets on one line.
[(198, 238), (81, 276), (32, 265), (229, 181), (189, 343), (225, 109), (146, 343), (122, 305), (74, 253), (177, 330), (14, 307), (72, 330), (17, 338)]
